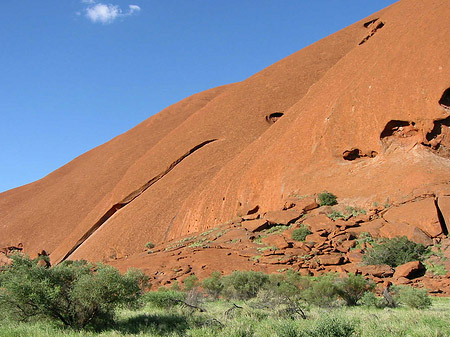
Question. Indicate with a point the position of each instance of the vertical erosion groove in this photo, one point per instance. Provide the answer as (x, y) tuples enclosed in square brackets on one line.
[(441, 217), (132, 196)]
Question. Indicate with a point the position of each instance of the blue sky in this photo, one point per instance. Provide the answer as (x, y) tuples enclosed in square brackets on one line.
[(76, 73)]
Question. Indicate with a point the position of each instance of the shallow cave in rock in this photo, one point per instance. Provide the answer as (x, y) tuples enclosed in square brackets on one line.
[(445, 99), (273, 117), (394, 126)]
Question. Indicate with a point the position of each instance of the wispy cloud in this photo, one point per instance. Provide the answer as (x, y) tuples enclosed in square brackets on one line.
[(98, 12)]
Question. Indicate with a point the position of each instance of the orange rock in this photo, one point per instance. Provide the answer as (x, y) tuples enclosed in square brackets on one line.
[(379, 270), (355, 255), (444, 207), (421, 214), (255, 225), (276, 240), (283, 217), (410, 270), (372, 227), (331, 259), (412, 233), (320, 223)]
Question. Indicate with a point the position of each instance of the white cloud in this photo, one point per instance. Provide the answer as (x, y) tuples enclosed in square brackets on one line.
[(107, 13), (134, 8)]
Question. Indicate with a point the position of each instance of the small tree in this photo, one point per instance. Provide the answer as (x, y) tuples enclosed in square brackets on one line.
[(327, 199), (244, 284), (352, 288), (76, 293), (213, 284), (190, 282)]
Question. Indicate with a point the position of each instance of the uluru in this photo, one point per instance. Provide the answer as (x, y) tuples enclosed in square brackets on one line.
[(363, 114)]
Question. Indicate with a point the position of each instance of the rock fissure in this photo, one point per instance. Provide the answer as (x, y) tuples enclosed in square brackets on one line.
[(441, 217), (373, 31), (132, 196)]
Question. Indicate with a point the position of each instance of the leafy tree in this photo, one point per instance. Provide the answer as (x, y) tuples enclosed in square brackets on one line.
[(244, 284), (320, 290), (76, 293), (394, 252), (190, 282), (352, 288), (213, 284)]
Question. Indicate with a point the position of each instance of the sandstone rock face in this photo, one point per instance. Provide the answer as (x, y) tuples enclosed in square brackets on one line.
[(421, 214), (362, 113), (410, 270)]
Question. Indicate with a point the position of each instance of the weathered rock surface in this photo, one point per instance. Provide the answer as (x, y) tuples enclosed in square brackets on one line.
[(410, 270), (363, 114)]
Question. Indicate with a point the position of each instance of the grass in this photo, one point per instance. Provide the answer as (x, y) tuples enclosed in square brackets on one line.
[(249, 321)]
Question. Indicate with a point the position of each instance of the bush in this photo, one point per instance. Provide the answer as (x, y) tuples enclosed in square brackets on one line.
[(329, 326), (327, 199), (394, 252), (76, 293), (352, 288), (369, 299), (244, 284), (149, 245), (213, 284), (301, 233), (190, 282), (164, 298), (320, 291), (412, 297)]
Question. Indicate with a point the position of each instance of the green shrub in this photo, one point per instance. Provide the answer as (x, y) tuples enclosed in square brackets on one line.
[(412, 297), (149, 245), (243, 284), (369, 299), (320, 291), (164, 298), (394, 252), (336, 215), (352, 288), (190, 282), (329, 326), (76, 293), (213, 284), (327, 199), (301, 233)]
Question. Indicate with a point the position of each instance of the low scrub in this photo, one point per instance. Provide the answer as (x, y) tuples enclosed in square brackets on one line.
[(301, 233), (394, 252)]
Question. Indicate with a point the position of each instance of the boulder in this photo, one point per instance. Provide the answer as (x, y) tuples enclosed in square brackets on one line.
[(283, 217), (444, 207), (331, 259), (255, 225), (377, 270), (355, 255), (421, 214), (320, 223), (276, 240), (372, 227), (410, 270), (315, 239), (412, 233)]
